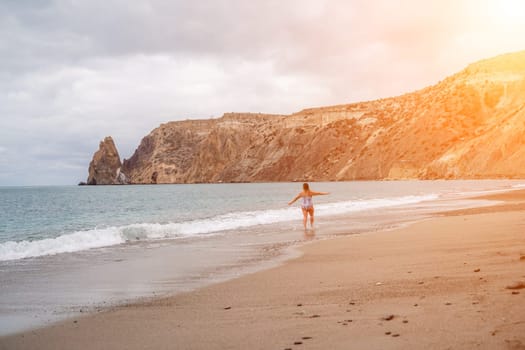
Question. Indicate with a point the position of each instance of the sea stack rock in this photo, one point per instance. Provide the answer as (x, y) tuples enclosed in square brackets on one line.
[(104, 169)]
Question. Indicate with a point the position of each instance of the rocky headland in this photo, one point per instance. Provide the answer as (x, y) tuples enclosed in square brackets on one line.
[(468, 126)]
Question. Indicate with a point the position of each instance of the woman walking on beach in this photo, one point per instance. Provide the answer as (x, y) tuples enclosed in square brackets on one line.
[(307, 204)]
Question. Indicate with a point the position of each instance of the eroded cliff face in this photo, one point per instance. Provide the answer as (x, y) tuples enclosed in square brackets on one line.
[(470, 125), (105, 167)]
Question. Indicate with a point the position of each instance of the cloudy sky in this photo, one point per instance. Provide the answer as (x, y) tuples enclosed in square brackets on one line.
[(75, 71)]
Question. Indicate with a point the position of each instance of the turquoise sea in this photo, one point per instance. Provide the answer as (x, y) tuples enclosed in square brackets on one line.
[(72, 248)]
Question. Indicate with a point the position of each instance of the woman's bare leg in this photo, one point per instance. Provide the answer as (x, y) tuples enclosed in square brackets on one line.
[(311, 212), (305, 217)]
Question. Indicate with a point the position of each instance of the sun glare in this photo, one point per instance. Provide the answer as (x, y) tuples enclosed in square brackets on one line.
[(508, 11)]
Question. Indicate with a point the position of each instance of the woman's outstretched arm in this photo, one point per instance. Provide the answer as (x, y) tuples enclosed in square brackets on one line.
[(318, 193), (293, 200)]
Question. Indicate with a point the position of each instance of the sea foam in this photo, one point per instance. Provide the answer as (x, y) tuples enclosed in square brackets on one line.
[(110, 236)]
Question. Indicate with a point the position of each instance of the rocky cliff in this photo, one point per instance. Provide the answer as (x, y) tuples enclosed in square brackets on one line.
[(470, 125), (104, 169)]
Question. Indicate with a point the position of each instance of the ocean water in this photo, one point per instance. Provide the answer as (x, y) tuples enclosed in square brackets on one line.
[(63, 249), (37, 221)]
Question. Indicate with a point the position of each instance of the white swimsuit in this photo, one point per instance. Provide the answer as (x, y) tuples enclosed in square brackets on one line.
[(307, 203)]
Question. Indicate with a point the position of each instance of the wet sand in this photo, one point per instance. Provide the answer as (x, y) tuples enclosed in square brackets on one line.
[(448, 282)]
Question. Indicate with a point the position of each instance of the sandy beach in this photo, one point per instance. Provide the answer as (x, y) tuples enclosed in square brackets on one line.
[(454, 281)]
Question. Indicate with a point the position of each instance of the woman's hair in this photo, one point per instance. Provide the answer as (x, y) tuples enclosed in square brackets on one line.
[(306, 187)]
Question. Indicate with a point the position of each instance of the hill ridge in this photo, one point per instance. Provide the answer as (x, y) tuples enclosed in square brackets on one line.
[(467, 126)]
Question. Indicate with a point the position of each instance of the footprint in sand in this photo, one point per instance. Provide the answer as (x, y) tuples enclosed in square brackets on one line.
[(345, 322), (299, 342), (516, 285)]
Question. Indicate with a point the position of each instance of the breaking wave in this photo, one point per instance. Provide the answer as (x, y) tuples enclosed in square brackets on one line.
[(110, 236)]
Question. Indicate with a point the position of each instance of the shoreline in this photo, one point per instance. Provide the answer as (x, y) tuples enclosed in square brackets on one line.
[(264, 304)]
